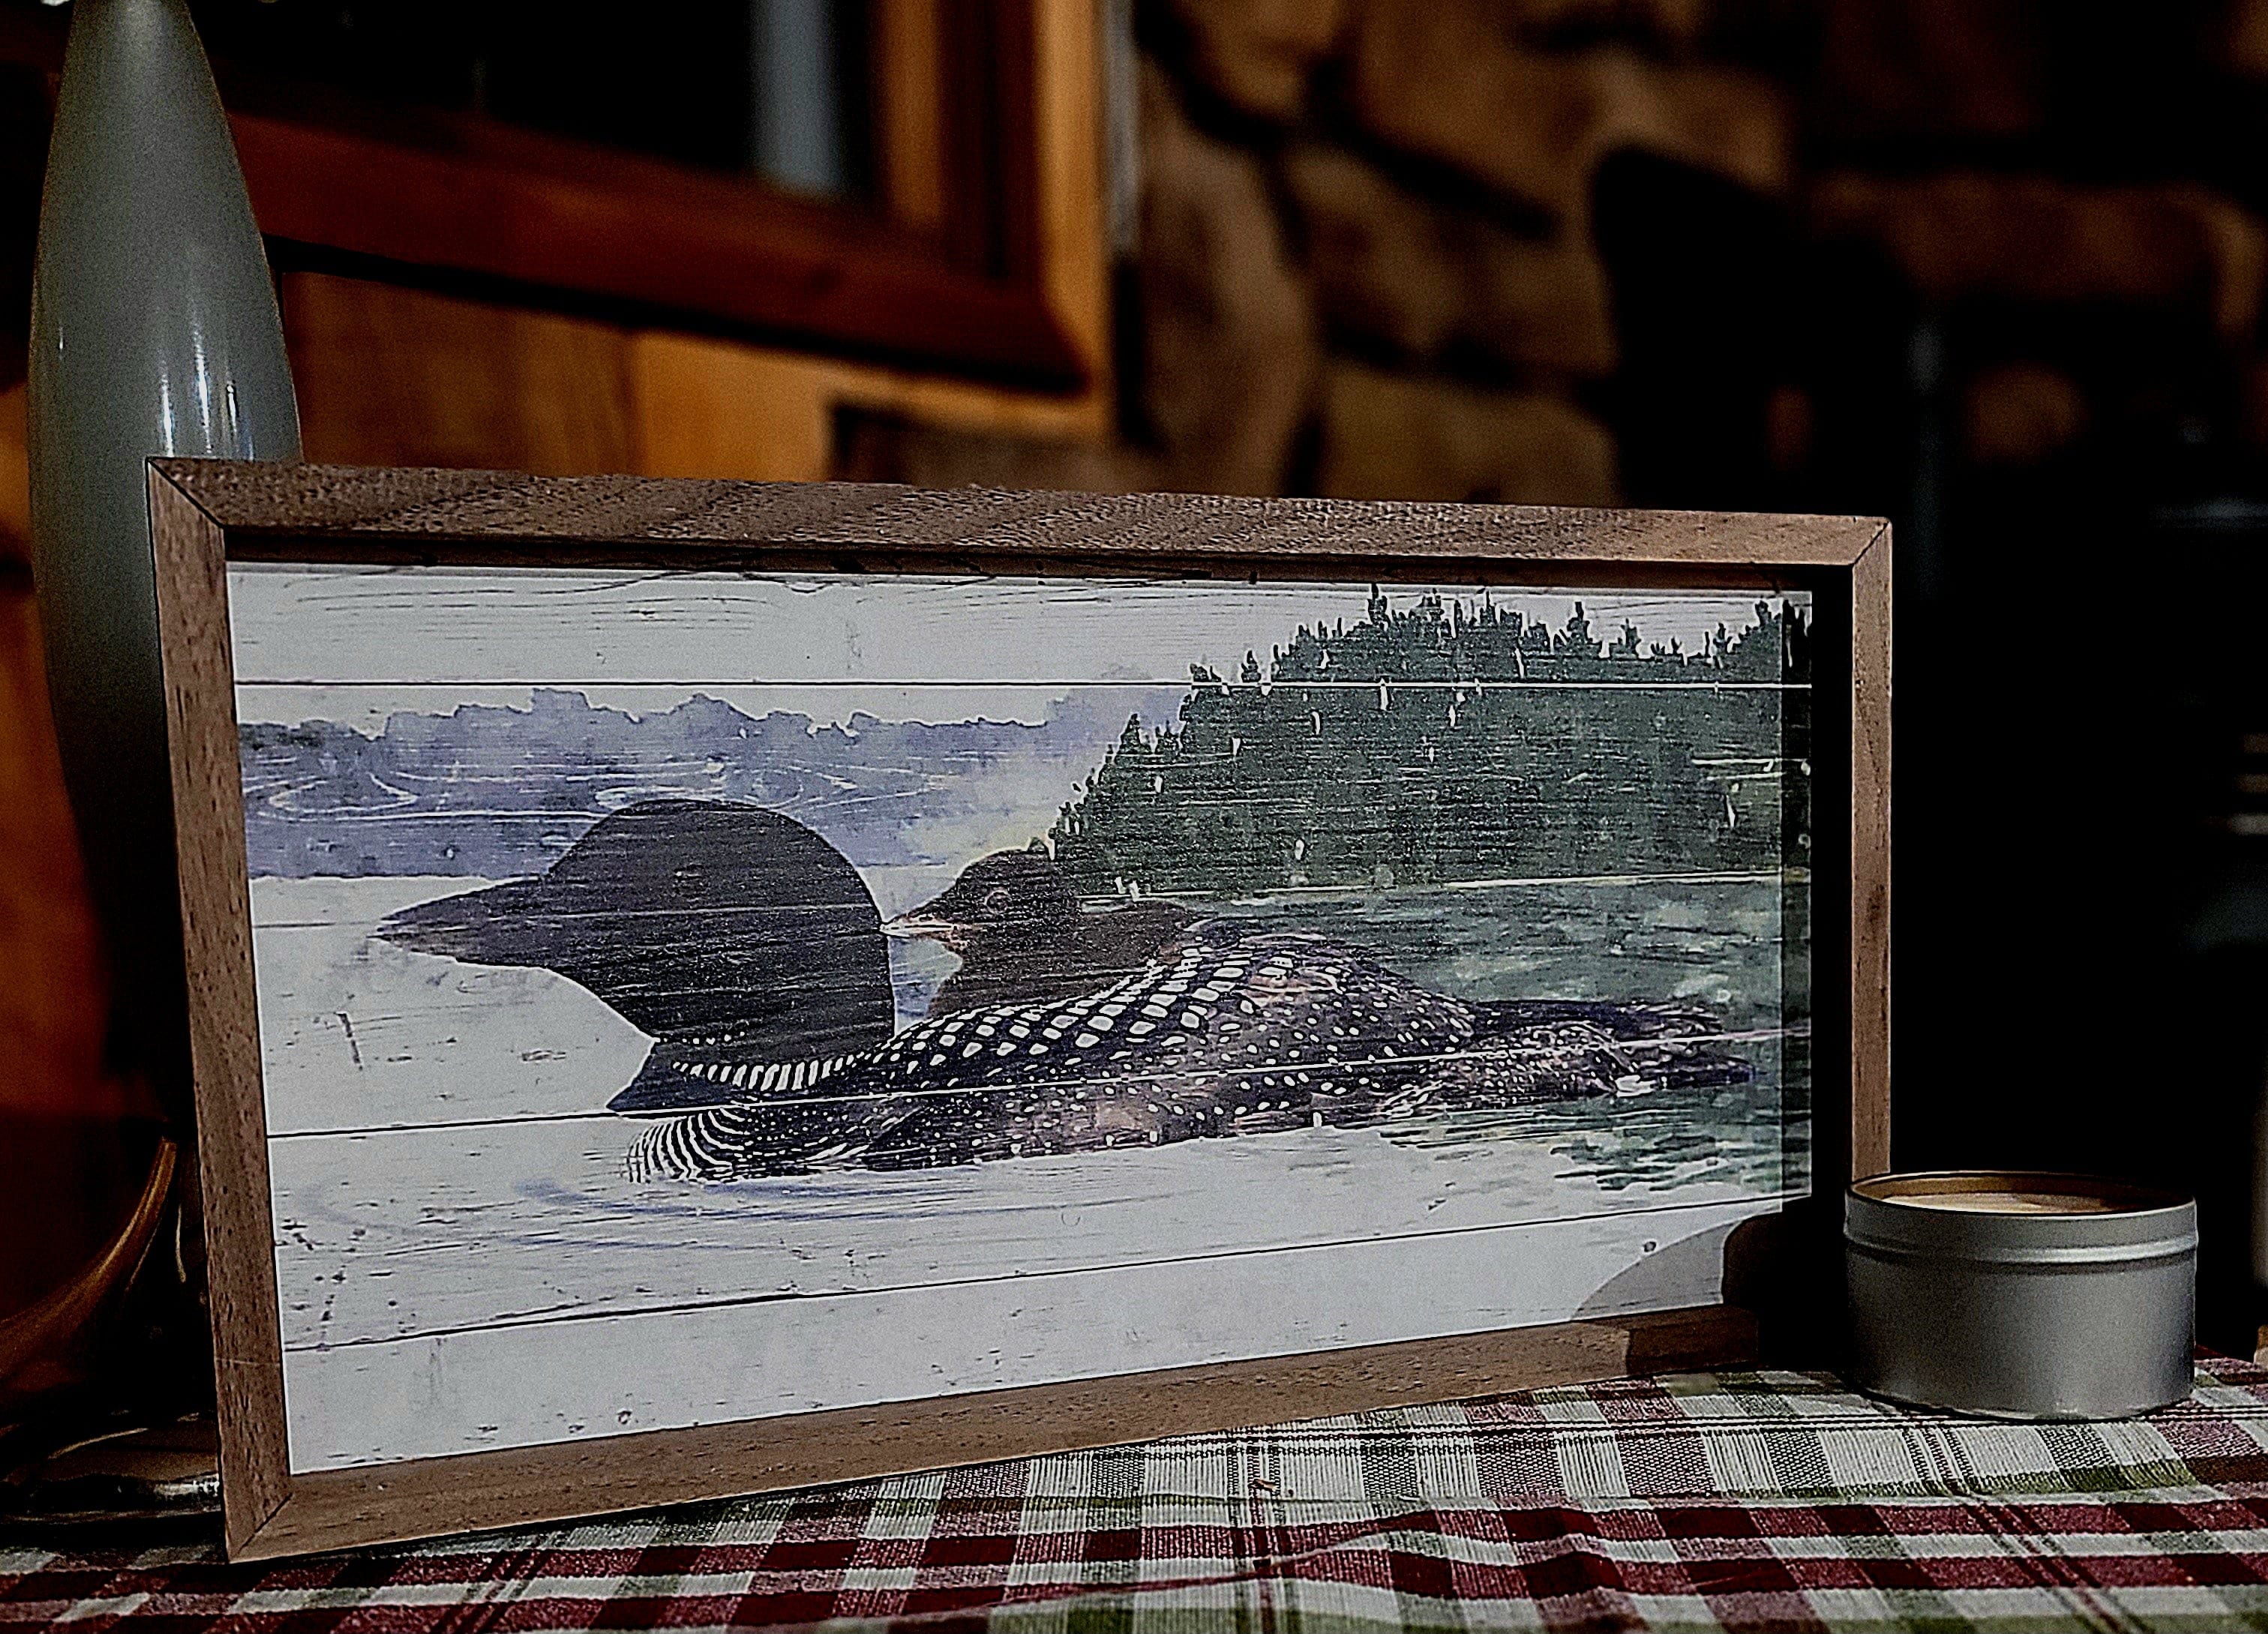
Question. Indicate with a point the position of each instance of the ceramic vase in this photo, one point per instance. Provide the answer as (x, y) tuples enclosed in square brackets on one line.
[(154, 331)]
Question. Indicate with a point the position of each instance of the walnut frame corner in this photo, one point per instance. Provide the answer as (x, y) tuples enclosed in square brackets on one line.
[(206, 513)]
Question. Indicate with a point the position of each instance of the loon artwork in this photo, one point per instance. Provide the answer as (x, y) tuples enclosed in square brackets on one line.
[(689, 996), (752, 951)]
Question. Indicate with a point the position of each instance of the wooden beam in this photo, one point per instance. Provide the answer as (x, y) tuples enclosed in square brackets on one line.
[(645, 241)]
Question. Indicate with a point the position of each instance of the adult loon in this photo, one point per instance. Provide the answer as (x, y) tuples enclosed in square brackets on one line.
[(744, 945), (1192, 1030)]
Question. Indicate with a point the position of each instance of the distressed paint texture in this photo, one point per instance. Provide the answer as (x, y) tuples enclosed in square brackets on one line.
[(1525, 872)]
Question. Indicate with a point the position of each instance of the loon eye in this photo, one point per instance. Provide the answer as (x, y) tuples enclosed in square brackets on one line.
[(996, 899)]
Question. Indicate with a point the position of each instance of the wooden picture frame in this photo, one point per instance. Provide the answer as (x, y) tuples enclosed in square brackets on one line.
[(208, 515)]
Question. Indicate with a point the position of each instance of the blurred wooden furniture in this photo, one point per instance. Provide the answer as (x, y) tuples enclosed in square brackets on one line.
[(473, 300), (459, 292)]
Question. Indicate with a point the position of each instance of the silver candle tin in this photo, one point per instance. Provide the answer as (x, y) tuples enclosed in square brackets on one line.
[(2020, 1295)]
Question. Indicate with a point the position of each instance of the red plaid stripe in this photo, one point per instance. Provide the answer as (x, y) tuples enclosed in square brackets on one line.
[(1752, 1501)]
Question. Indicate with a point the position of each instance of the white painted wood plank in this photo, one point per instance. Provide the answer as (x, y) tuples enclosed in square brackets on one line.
[(393, 1235), (356, 625), (522, 1386), (315, 912), (357, 1034), (354, 1031)]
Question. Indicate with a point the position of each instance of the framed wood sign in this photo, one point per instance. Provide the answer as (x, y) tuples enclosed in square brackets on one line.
[(702, 987)]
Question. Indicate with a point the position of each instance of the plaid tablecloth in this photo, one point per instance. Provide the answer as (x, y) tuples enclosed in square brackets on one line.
[(1734, 1501)]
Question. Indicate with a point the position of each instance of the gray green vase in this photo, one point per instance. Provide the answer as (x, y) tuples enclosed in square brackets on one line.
[(154, 331)]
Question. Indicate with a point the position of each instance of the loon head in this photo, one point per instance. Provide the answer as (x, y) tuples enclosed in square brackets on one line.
[(1018, 894), (1022, 931), (695, 920)]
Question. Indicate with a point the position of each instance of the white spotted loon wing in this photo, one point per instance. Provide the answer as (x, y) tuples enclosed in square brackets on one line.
[(981, 1082), (1227, 1033)]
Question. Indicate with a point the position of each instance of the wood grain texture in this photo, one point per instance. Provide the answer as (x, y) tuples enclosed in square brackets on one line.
[(74, 1157), (484, 1490), (392, 376), (389, 375), (223, 1014), (707, 408), (1870, 859), (15, 475), (203, 509), (907, 65), (1074, 270), (413, 515), (646, 236), (75, 1165), (395, 376), (53, 999)]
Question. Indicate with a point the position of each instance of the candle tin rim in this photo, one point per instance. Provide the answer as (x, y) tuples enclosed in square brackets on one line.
[(1892, 1213), (1892, 1186)]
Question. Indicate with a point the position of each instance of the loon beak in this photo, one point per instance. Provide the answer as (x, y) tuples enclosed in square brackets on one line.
[(914, 925)]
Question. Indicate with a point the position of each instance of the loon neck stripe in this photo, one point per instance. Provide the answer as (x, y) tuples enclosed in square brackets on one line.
[(762, 1077)]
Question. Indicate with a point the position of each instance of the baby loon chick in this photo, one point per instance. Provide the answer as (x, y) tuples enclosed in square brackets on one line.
[(1226, 1032), (1022, 934), (743, 944)]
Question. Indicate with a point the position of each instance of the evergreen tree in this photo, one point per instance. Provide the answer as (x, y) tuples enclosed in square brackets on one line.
[(1432, 745)]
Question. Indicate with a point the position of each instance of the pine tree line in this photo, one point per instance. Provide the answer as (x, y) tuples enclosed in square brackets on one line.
[(1441, 746)]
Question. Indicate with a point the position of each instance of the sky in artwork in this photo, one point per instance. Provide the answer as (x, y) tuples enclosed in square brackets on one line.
[(354, 645)]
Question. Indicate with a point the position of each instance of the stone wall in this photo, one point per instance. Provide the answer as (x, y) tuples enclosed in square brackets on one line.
[(1379, 251)]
